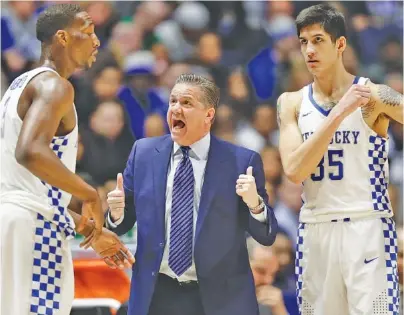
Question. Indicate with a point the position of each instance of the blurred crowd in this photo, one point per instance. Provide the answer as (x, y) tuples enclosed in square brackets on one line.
[(146, 45)]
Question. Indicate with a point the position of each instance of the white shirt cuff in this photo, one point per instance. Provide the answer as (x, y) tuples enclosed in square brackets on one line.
[(262, 216), (111, 224)]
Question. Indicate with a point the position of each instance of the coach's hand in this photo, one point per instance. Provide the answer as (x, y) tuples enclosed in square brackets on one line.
[(112, 250), (116, 199), (247, 189)]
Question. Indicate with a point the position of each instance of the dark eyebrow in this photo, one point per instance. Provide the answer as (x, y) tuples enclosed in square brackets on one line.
[(315, 35)]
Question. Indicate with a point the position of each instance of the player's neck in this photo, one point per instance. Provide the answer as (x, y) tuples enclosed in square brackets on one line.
[(57, 62), (332, 80)]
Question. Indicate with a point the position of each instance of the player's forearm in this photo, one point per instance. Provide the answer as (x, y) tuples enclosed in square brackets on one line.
[(75, 205), (83, 228), (303, 161), (41, 161)]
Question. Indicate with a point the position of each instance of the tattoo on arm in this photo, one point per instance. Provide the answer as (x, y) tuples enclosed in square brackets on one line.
[(389, 96), (368, 109)]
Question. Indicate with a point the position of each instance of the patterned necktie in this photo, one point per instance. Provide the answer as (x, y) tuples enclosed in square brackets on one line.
[(182, 210)]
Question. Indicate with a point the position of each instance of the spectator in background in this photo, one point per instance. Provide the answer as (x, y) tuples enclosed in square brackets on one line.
[(272, 164), (107, 143), (103, 88), (224, 125), (104, 17), (287, 208), (284, 251), (210, 55), (238, 94), (271, 191), (261, 132), (154, 126), (19, 47), (181, 34), (264, 266)]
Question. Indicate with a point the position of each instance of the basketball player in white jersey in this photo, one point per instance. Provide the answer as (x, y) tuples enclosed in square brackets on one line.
[(333, 139), (38, 156)]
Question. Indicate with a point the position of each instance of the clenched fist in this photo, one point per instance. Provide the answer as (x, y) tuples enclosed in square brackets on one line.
[(247, 189), (116, 199), (357, 96)]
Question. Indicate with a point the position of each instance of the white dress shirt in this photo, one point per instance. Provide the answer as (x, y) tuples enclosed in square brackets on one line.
[(198, 155)]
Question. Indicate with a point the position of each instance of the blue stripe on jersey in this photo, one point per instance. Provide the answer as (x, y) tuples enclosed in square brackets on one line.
[(390, 247), (318, 107), (58, 145), (47, 268), (299, 266), (378, 181)]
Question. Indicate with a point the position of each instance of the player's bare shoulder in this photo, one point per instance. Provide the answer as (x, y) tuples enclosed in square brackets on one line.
[(50, 85), (288, 106), (44, 90)]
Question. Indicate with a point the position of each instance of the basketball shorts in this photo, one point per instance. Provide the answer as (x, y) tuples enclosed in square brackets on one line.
[(36, 267), (347, 268)]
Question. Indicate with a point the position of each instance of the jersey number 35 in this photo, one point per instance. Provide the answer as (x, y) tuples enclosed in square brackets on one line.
[(335, 167)]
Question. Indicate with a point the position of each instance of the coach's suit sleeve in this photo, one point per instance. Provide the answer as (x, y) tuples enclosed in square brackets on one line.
[(262, 232), (128, 219)]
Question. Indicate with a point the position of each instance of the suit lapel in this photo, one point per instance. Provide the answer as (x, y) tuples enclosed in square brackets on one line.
[(215, 157), (161, 160)]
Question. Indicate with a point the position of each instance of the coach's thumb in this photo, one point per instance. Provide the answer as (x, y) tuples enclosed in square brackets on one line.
[(119, 181), (249, 170)]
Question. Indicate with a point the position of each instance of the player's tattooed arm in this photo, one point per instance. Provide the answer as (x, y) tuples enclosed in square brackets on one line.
[(389, 96), (386, 100)]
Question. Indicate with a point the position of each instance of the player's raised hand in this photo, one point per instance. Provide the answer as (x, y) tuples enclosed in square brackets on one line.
[(357, 96), (247, 189), (116, 199)]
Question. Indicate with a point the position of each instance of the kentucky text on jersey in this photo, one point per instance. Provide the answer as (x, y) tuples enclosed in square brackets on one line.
[(340, 136)]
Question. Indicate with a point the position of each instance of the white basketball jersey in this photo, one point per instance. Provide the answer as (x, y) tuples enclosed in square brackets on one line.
[(20, 186), (352, 178)]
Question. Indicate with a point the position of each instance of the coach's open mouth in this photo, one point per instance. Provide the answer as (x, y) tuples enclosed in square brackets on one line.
[(178, 124)]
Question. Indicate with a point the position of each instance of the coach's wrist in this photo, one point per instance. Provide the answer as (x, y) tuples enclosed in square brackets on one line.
[(116, 214)]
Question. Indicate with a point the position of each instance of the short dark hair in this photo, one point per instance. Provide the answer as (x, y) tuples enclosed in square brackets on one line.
[(327, 16), (210, 90), (54, 18)]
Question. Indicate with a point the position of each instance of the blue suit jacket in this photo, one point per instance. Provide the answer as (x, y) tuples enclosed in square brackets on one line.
[(221, 258)]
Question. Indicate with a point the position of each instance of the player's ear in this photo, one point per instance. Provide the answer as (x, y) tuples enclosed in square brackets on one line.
[(341, 44), (62, 37)]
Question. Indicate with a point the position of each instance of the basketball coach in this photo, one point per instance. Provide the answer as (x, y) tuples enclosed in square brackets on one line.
[(194, 198)]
